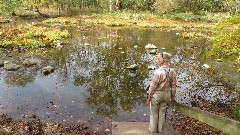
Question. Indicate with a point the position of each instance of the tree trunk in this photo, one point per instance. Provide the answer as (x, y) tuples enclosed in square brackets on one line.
[(151, 6), (189, 3), (82, 3), (110, 5), (41, 14), (118, 4)]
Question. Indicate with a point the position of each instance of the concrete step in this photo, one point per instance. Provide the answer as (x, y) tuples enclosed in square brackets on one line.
[(139, 128)]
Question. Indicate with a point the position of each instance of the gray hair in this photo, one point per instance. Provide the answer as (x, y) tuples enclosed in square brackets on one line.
[(165, 57)]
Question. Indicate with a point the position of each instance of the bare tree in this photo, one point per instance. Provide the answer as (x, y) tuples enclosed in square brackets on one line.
[(110, 5), (118, 4)]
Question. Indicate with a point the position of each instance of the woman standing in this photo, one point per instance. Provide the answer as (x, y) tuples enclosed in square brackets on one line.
[(162, 90)]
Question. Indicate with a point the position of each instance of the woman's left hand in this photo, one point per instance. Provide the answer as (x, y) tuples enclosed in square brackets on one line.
[(148, 100)]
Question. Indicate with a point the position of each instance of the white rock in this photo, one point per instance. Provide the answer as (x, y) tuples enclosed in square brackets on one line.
[(150, 46), (168, 54), (134, 66), (86, 44), (59, 45), (219, 60), (132, 74), (205, 66)]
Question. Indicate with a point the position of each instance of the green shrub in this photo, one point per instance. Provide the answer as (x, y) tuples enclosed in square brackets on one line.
[(62, 20), (226, 41), (191, 34), (238, 112), (188, 16)]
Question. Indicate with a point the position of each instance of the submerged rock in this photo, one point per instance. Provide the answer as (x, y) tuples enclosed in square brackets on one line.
[(1, 63), (11, 67), (205, 66), (47, 70), (133, 67), (219, 60), (167, 54), (30, 62), (132, 73), (58, 43), (153, 51), (59, 46)]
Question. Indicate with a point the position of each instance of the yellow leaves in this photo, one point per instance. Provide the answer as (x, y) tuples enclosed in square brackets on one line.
[(31, 36), (226, 42), (62, 20), (192, 34), (107, 130), (146, 21), (238, 58)]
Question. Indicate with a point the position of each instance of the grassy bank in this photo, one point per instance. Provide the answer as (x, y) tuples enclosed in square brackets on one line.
[(32, 36), (145, 20)]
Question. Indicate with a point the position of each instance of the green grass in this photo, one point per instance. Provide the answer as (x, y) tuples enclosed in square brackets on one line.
[(238, 112), (200, 16)]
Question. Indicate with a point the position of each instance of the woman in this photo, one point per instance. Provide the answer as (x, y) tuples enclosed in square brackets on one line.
[(161, 91)]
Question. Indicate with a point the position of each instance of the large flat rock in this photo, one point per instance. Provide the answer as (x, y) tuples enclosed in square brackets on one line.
[(139, 128)]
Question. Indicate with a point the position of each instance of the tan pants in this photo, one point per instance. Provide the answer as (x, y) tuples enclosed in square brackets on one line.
[(158, 108)]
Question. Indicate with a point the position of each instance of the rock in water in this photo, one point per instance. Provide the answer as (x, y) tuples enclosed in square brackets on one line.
[(150, 46), (47, 70), (133, 67), (205, 66), (11, 67), (30, 62), (1, 63)]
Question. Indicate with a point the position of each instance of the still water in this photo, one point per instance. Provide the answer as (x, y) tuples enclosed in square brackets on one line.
[(90, 80)]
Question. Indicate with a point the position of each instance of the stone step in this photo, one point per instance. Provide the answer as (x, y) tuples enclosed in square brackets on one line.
[(138, 128)]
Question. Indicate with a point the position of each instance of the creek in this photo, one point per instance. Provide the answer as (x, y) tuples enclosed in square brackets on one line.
[(91, 81)]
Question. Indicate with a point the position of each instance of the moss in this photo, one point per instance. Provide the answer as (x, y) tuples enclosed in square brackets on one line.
[(5, 20), (30, 36), (62, 20), (238, 112), (192, 34), (226, 41), (145, 22)]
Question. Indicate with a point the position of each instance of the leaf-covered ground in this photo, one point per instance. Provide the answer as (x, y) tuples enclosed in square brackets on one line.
[(180, 122), (189, 126), (9, 127)]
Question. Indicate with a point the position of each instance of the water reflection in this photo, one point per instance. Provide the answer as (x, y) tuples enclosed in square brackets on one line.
[(110, 86), (91, 80)]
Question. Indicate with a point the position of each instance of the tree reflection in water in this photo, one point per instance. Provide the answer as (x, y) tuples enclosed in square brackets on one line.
[(91, 76), (110, 86)]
